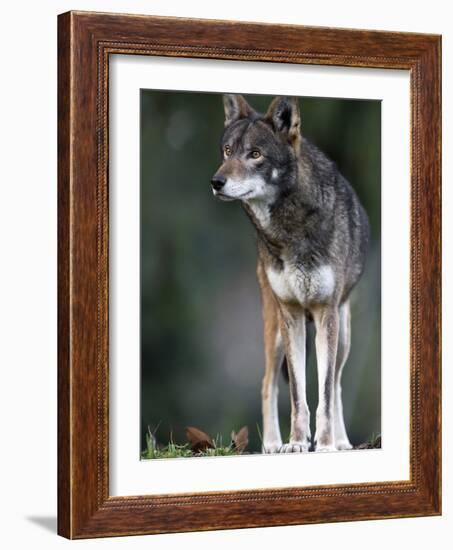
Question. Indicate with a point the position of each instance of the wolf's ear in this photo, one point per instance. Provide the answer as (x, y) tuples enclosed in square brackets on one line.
[(284, 114), (235, 108)]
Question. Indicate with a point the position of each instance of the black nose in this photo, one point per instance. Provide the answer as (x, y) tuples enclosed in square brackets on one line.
[(218, 182)]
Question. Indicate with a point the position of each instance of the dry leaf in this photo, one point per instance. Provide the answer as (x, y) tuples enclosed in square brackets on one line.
[(199, 440), (240, 440)]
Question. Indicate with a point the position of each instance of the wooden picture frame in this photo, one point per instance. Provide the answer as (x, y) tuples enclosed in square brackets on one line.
[(85, 42)]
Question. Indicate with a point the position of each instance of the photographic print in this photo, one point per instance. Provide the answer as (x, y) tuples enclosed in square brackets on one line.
[(260, 274), (249, 313)]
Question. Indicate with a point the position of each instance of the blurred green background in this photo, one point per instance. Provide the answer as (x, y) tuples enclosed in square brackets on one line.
[(202, 354)]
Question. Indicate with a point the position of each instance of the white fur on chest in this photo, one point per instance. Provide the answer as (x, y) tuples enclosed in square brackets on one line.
[(260, 210), (295, 284)]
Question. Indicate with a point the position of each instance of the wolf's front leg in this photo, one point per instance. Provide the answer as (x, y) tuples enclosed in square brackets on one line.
[(327, 324), (272, 440), (293, 333)]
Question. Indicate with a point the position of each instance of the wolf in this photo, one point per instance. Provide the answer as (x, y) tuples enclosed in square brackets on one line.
[(312, 237)]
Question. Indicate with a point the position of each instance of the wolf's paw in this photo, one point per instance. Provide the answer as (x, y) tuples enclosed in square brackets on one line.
[(343, 445), (295, 447), (319, 448), (272, 447)]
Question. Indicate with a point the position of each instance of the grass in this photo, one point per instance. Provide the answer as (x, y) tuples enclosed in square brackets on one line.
[(374, 442), (172, 450)]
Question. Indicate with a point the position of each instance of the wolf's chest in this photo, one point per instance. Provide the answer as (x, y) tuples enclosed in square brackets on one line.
[(303, 286)]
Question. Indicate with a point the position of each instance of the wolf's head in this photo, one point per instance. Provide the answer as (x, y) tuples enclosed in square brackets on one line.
[(258, 151)]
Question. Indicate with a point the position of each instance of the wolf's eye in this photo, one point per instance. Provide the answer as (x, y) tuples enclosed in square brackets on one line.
[(227, 150), (255, 154)]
